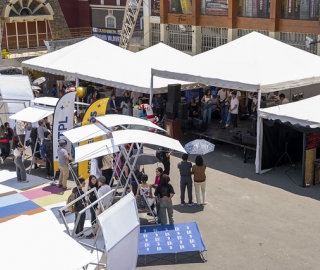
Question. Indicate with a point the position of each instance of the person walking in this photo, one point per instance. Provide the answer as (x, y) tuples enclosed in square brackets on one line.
[(199, 177), (18, 149), (79, 205), (185, 179), (165, 192), (63, 158)]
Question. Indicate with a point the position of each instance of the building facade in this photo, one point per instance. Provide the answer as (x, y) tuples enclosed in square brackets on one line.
[(195, 26)]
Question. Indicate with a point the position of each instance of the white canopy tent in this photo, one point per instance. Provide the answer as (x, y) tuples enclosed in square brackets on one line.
[(109, 146), (98, 61), (96, 130), (305, 113), (254, 62), (32, 114), (16, 94)]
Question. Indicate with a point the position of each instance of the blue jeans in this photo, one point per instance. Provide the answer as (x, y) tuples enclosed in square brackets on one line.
[(20, 169), (224, 113), (228, 118), (206, 112)]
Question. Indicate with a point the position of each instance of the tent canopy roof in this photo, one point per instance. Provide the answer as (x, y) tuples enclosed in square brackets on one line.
[(105, 63), (32, 114), (249, 63), (305, 113), (15, 87)]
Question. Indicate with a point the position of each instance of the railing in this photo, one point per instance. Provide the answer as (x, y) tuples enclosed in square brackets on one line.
[(14, 42)]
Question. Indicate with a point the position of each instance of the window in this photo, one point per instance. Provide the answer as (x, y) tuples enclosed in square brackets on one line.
[(111, 21)]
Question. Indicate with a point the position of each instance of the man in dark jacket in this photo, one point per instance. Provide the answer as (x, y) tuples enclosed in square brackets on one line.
[(79, 205)]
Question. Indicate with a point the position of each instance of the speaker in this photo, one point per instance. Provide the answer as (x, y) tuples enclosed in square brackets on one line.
[(182, 110), (174, 93), (249, 140), (171, 108)]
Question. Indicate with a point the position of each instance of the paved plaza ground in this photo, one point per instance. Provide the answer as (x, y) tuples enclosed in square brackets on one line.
[(251, 221)]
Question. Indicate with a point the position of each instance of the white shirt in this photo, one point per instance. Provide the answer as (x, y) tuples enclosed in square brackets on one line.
[(284, 101), (20, 129), (233, 102), (222, 95), (102, 191), (254, 101), (125, 110)]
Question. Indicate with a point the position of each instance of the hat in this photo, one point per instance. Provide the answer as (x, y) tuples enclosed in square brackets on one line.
[(102, 179), (61, 142), (46, 133)]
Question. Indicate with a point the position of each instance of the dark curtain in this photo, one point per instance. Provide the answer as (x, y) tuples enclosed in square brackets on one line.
[(276, 136)]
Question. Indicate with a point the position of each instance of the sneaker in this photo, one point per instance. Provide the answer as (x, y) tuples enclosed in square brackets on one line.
[(25, 181), (66, 188), (81, 236), (190, 204), (221, 121), (48, 177), (204, 203), (60, 186), (227, 125), (182, 204), (1, 160), (90, 236)]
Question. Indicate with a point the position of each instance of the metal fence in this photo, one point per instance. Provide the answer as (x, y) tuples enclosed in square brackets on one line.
[(298, 40), (180, 39), (213, 37), (243, 32), (155, 33)]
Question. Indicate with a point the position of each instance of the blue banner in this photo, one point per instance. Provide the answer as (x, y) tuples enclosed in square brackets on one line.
[(107, 34), (175, 238)]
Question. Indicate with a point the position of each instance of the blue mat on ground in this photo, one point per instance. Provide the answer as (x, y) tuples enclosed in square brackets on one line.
[(175, 238), (17, 208), (12, 199)]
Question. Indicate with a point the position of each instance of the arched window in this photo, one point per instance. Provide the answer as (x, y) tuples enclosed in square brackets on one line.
[(111, 21)]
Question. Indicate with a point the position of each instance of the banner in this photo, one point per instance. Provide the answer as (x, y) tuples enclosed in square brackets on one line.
[(62, 121), (155, 8), (97, 108), (107, 34)]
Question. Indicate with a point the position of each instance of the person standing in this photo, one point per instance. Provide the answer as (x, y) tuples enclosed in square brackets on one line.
[(125, 106), (234, 109), (41, 130), (223, 101), (206, 101), (18, 149), (107, 168), (21, 130), (185, 179), (48, 154), (92, 197), (166, 161), (163, 194), (95, 167), (4, 144), (159, 106), (113, 104), (79, 205), (54, 91), (199, 176), (63, 157), (193, 109), (254, 105)]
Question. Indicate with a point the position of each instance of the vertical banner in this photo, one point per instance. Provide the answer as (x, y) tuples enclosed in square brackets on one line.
[(62, 121), (97, 108)]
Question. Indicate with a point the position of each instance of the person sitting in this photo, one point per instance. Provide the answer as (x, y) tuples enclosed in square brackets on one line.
[(194, 108), (283, 99)]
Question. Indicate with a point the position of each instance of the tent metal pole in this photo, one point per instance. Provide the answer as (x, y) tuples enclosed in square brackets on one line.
[(258, 147), (304, 146), (151, 90)]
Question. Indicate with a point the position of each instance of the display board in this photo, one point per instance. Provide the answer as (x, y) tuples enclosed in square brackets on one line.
[(175, 238)]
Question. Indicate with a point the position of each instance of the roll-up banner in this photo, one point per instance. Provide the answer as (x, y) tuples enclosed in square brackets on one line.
[(62, 121), (98, 108)]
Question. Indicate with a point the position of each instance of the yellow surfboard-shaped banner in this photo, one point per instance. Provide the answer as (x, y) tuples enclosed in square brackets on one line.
[(98, 108)]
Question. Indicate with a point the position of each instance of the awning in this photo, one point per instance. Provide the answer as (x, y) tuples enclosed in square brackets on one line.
[(93, 150), (51, 101), (32, 114), (15, 87)]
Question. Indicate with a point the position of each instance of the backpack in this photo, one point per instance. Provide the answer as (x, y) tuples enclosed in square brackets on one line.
[(43, 151), (159, 154), (71, 198)]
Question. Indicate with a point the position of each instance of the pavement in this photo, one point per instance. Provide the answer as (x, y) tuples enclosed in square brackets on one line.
[(251, 221)]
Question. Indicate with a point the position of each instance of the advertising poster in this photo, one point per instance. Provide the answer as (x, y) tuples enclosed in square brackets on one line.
[(216, 7), (62, 121), (155, 8), (107, 34), (98, 108), (254, 8)]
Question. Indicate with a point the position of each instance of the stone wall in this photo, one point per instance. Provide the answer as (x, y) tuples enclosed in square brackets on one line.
[(59, 27)]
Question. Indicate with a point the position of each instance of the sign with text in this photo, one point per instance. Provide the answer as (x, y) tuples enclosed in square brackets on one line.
[(155, 8), (175, 238), (107, 34)]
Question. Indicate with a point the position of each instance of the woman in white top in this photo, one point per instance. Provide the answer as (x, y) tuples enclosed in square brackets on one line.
[(18, 149), (146, 190), (125, 105), (95, 169), (206, 101)]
